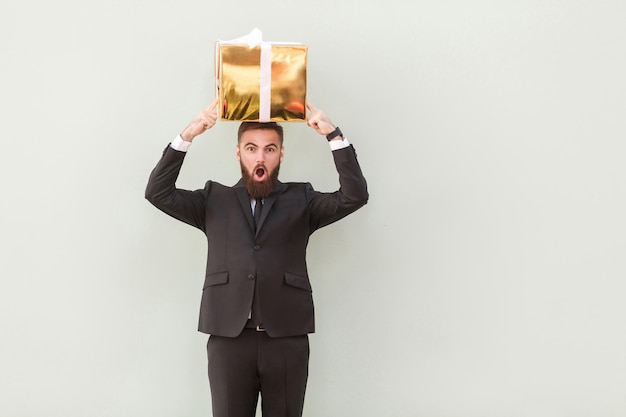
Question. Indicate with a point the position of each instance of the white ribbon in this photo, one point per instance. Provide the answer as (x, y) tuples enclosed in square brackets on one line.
[(265, 93), (253, 38)]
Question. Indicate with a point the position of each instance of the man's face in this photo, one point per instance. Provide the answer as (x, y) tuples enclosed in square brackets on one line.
[(260, 153)]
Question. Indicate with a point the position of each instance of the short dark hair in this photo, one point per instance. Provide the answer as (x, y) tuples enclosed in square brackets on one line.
[(245, 126)]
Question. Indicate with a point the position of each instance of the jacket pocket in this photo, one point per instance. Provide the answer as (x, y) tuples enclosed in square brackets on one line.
[(298, 281), (215, 279)]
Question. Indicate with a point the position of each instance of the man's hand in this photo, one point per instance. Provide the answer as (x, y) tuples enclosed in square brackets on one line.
[(319, 121), (201, 123)]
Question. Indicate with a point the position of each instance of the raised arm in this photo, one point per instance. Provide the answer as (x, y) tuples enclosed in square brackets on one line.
[(352, 194), (161, 191)]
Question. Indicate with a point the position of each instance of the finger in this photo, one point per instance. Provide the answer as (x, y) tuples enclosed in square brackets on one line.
[(310, 107), (211, 108)]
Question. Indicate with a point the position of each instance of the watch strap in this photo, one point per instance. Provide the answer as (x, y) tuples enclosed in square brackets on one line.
[(334, 134)]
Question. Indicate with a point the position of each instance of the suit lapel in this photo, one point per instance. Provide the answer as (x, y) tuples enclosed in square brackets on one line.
[(268, 202), (244, 200)]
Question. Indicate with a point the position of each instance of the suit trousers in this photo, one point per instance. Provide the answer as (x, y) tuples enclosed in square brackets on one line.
[(242, 367)]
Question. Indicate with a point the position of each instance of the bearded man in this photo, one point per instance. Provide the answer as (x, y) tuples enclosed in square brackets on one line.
[(257, 300)]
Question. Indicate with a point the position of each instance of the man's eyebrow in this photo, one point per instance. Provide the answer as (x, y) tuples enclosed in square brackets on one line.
[(270, 145)]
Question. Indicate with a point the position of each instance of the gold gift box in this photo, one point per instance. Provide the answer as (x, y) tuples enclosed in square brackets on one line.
[(261, 81)]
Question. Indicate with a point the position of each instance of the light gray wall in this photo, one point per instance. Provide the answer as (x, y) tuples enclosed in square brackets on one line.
[(485, 277)]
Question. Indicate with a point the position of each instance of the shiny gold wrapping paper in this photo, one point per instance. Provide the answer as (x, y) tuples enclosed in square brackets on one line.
[(238, 72)]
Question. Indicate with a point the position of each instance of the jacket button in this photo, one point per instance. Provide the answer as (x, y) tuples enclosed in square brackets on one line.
[(257, 247), (251, 276)]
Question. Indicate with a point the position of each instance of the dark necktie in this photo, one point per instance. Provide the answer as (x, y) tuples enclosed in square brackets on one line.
[(257, 212)]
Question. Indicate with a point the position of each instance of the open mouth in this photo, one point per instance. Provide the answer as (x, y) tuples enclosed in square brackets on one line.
[(259, 173)]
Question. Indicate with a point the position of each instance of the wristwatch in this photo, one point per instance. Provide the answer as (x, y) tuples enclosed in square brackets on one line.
[(334, 134)]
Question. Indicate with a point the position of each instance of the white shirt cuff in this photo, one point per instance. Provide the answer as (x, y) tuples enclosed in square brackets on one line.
[(179, 144), (339, 144)]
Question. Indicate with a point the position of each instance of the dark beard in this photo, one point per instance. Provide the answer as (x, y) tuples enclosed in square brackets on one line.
[(260, 189)]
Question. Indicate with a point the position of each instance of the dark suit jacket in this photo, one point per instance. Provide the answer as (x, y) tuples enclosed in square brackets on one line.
[(273, 258)]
